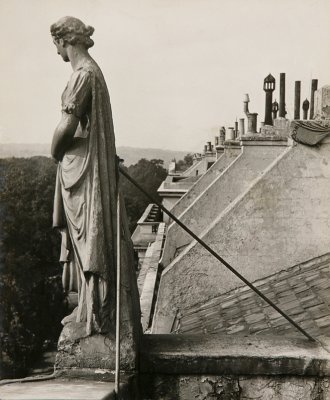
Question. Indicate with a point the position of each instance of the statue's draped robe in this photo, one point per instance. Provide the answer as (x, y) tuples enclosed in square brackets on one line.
[(85, 198)]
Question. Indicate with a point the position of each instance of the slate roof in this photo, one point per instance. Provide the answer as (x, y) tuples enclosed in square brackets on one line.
[(303, 292)]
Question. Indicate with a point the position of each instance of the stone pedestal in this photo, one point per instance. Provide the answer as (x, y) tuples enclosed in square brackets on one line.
[(94, 356)]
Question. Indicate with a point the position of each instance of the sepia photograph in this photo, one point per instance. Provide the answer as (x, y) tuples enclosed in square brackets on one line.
[(164, 200)]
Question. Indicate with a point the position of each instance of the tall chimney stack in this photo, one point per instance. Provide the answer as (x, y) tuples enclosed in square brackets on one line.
[(241, 127), (246, 101), (313, 90), (252, 123), (236, 129), (269, 87), (222, 135), (282, 95), (297, 90), (230, 133)]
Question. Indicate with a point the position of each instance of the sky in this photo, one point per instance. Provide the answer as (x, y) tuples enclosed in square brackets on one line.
[(176, 70)]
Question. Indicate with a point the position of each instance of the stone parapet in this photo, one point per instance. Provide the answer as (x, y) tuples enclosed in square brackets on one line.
[(151, 273), (239, 355), (221, 367)]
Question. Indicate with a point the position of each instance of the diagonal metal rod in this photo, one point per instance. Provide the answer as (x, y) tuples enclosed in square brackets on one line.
[(219, 258)]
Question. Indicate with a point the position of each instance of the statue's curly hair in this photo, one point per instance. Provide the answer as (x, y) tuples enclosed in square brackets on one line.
[(72, 31)]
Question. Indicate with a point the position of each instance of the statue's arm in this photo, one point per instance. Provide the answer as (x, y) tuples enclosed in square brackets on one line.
[(63, 135)]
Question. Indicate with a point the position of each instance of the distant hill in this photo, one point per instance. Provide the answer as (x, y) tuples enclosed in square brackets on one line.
[(131, 155)]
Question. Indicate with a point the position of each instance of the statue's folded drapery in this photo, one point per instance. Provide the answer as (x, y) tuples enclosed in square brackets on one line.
[(85, 197)]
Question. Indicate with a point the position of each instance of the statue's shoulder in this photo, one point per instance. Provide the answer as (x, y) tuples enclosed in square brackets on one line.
[(89, 70), (89, 67)]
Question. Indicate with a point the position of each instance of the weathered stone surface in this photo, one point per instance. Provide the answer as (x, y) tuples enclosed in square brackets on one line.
[(214, 387), (322, 103), (210, 175), (213, 367), (58, 390), (73, 389), (164, 387), (286, 207), (79, 353), (151, 270), (220, 193), (239, 355)]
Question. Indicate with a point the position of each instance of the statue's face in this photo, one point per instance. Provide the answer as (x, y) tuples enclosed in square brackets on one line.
[(61, 49)]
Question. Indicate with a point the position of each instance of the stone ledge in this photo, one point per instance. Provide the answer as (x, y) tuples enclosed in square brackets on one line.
[(239, 355), (72, 388), (264, 140), (58, 390)]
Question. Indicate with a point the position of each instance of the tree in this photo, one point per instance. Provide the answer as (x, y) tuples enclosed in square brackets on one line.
[(31, 295), (184, 164), (31, 299), (149, 174)]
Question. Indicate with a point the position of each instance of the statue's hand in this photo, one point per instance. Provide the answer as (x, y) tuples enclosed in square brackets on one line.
[(58, 157), (63, 135)]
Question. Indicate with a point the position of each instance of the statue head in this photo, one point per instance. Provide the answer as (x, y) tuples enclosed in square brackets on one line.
[(71, 31)]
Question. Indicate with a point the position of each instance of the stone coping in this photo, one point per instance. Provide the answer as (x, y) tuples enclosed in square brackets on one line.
[(59, 389), (239, 355), (261, 138), (72, 388)]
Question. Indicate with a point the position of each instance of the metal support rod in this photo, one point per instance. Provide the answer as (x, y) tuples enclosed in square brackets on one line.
[(219, 258), (117, 368)]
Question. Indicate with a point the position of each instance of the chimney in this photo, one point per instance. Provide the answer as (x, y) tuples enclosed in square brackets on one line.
[(222, 135), (313, 90), (305, 107), (297, 89), (252, 122), (241, 127), (269, 87), (282, 111), (230, 134), (246, 100)]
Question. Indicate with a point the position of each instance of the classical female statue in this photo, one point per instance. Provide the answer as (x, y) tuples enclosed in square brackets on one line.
[(86, 189)]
